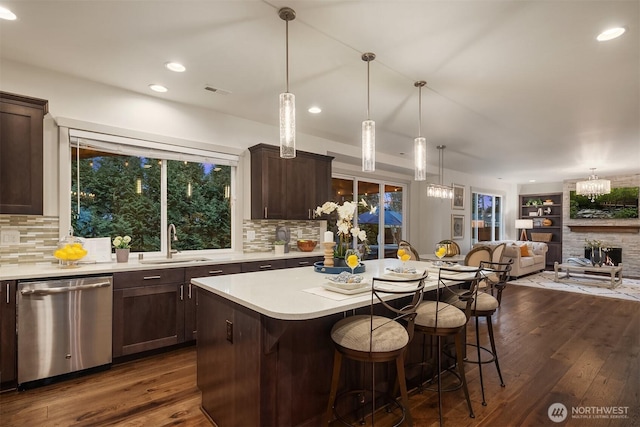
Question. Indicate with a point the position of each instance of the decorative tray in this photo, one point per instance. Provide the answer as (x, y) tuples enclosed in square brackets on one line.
[(319, 267)]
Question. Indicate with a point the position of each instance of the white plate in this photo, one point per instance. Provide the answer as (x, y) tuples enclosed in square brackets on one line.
[(395, 275), (366, 286)]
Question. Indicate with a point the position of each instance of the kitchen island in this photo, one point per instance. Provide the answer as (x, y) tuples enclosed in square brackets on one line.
[(264, 352)]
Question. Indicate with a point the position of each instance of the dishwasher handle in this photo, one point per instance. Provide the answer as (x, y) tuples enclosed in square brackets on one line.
[(50, 291)]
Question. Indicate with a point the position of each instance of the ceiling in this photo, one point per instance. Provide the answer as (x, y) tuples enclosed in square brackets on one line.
[(516, 90)]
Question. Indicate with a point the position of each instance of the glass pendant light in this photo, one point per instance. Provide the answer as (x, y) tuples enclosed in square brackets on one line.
[(439, 190), (420, 143), (287, 100), (594, 187), (368, 128)]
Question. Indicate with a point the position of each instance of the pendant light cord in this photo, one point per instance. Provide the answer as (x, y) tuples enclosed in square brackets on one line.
[(368, 85), (287, 53), (419, 111)]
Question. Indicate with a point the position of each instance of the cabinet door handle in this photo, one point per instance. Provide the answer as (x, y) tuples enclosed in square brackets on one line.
[(266, 266), (181, 292), (152, 277), (303, 262), (265, 212), (309, 214), (215, 271), (8, 296), (189, 291)]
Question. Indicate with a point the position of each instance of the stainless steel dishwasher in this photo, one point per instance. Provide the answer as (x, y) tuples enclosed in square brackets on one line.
[(63, 326)]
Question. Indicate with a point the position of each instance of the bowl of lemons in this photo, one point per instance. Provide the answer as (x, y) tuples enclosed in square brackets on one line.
[(70, 251)]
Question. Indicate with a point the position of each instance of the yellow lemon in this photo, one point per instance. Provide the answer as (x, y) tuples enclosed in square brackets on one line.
[(352, 260), (441, 252), (405, 257), (401, 252)]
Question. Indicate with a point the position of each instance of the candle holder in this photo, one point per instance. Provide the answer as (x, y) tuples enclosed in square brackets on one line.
[(328, 253)]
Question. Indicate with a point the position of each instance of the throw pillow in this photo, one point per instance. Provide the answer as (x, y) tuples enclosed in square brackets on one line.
[(524, 250)]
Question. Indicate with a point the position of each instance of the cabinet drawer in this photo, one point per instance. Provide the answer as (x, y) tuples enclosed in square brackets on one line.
[(132, 279), (212, 270), (248, 267), (302, 262)]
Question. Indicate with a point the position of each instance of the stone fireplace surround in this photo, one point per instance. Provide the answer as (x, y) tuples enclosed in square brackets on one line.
[(622, 233)]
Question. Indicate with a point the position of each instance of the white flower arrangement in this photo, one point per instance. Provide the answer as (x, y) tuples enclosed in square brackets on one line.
[(346, 230), (120, 242)]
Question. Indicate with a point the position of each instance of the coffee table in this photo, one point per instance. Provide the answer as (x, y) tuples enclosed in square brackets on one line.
[(615, 272)]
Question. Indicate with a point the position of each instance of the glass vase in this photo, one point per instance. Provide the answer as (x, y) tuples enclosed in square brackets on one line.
[(596, 257)]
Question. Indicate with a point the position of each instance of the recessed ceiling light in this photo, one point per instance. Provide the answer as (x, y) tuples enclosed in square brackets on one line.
[(610, 34), (315, 110), (7, 14), (158, 88), (175, 66), (532, 180)]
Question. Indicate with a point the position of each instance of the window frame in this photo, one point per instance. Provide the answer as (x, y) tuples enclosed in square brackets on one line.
[(65, 135), (494, 194)]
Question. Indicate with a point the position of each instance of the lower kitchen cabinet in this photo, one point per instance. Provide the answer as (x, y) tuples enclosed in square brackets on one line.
[(274, 264), (148, 310), (191, 297), (303, 262), (8, 343)]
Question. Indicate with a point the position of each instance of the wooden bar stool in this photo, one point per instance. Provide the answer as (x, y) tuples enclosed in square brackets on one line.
[(441, 319), (494, 275), (374, 338)]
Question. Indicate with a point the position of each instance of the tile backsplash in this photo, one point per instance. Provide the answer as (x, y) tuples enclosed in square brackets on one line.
[(265, 233), (38, 239)]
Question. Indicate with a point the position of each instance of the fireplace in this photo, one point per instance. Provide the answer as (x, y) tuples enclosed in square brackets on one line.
[(611, 256)]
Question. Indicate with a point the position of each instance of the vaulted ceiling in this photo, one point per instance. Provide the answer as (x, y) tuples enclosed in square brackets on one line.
[(516, 90)]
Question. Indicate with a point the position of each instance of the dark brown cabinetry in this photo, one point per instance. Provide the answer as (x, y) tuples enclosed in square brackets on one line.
[(287, 188), (191, 298), (8, 349), (148, 310), (303, 262), (21, 137), (274, 264), (546, 212)]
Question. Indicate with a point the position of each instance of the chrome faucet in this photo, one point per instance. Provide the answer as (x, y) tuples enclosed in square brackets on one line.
[(175, 237)]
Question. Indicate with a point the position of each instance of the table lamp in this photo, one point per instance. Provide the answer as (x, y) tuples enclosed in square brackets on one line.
[(524, 225)]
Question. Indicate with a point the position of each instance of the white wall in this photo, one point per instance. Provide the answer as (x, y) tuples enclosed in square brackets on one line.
[(134, 113), (433, 216)]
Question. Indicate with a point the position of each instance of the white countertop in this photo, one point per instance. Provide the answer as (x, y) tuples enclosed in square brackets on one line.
[(51, 270), (283, 294)]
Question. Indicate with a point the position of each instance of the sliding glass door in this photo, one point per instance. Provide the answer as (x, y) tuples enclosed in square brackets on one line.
[(381, 215)]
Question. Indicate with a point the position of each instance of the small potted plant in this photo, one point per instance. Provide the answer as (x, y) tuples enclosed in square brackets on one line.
[(278, 247), (122, 246)]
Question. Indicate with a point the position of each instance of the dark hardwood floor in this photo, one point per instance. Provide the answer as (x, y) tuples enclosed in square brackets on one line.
[(555, 347)]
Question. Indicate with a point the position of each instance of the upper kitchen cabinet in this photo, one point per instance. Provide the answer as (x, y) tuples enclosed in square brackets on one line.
[(21, 137), (287, 188)]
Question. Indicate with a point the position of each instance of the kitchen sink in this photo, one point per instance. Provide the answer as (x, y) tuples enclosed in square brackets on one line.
[(171, 260)]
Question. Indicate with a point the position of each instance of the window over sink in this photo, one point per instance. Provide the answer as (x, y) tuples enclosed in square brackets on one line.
[(137, 188)]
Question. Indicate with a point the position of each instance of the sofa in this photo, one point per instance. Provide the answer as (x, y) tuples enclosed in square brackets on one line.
[(533, 261)]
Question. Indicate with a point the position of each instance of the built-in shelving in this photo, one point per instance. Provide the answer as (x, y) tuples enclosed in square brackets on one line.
[(546, 212)]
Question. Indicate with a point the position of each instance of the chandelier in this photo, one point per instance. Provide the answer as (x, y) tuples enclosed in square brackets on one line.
[(439, 190), (593, 187)]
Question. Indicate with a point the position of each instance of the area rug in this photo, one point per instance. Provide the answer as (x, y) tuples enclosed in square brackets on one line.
[(628, 290)]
